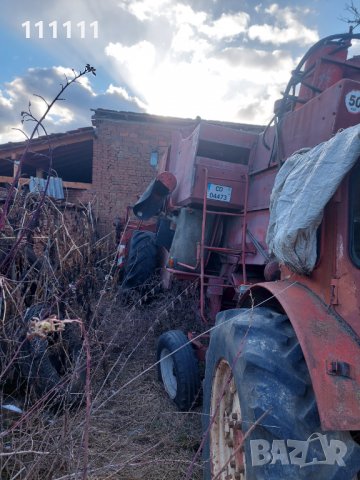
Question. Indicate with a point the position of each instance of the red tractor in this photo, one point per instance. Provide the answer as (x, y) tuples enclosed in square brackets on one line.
[(269, 225)]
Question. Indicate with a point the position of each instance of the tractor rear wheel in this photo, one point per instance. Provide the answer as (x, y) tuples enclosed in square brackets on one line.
[(141, 261), (259, 406), (178, 369)]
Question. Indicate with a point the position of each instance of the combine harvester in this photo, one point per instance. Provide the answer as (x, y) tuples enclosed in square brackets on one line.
[(269, 224)]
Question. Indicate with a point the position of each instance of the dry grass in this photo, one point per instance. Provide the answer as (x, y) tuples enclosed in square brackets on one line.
[(135, 432), (149, 438), (126, 428)]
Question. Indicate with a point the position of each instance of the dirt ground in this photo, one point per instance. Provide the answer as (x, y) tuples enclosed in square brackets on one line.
[(133, 430)]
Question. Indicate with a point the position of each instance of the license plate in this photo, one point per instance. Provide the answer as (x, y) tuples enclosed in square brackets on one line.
[(218, 192)]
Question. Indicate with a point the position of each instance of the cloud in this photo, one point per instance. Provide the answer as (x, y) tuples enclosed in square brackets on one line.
[(355, 48), (115, 24), (215, 65), (207, 69), (72, 113), (145, 9), (182, 58), (285, 27), (227, 26), (138, 58), (184, 17), (186, 40), (256, 59), (217, 85)]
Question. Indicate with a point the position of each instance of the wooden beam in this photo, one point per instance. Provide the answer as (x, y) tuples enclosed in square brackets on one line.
[(43, 143), (78, 185), (25, 181)]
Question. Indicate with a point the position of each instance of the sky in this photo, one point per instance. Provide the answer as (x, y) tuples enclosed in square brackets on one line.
[(223, 60)]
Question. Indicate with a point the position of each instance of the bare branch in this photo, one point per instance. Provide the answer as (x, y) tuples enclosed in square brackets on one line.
[(42, 98)]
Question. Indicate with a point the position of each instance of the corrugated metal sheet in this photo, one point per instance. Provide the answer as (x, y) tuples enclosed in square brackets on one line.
[(55, 188)]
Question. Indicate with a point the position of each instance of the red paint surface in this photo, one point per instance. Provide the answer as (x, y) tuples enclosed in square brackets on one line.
[(324, 337)]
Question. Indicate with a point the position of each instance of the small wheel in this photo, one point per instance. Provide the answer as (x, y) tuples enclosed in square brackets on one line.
[(178, 369), (141, 261), (256, 370)]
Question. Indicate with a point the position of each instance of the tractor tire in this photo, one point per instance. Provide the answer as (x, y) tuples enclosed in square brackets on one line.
[(256, 372), (178, 369), (54, 368), (142, 259)]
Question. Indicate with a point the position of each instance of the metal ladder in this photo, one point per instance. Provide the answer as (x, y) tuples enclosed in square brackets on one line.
[(209, 248)]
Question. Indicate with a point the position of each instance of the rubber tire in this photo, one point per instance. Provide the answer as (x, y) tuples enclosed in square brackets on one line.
[(59, 375), (186, 368), (142, 259), (271, 373)]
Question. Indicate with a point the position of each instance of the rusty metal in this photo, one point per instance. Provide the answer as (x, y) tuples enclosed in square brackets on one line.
[(200, 348), (202, 250), (190, 267), (189, 274), (325, 338), (225, 214), (167, 179), (324, 306), (226, 434), (341, 369), (189, 158), (233, 251), (244, 231)]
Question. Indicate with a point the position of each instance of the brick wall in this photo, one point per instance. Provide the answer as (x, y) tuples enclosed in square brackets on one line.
[(121, 163), (73, 195), (121, 169)]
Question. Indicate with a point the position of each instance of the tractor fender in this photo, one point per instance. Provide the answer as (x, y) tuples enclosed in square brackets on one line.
[(330, 347)]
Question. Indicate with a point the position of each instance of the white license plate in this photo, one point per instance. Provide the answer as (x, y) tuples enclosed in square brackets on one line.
[(218, 192)]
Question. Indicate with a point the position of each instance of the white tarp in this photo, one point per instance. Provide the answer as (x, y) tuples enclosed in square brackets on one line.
[(303, 186)]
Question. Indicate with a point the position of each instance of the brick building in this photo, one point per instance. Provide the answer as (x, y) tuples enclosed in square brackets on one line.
[(108, 164), (127, 148)]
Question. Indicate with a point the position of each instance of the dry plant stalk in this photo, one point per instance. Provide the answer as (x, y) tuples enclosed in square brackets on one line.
[(50, 257), (136, 434)]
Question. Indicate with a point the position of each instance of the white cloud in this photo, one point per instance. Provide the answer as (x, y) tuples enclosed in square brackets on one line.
[(182, 16), (172, 57), (5, 102), (227, 26), (186, 40), (72, 113), (145, 9), (141, 55), (285, 28), (123, 94), (135, 63), (60, 115), (355, 48), (187, 79), (216, 85), (67, 74), (198, 74)]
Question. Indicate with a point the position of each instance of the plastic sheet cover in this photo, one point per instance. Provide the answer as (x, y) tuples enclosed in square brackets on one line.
[(303, 186)]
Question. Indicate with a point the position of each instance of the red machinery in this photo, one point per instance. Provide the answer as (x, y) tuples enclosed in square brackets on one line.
[(282, 384)]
